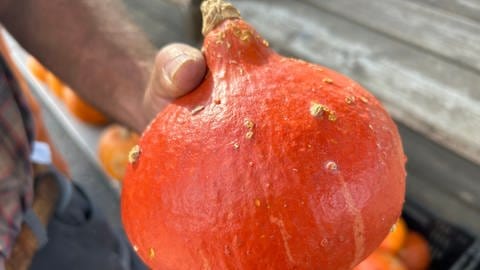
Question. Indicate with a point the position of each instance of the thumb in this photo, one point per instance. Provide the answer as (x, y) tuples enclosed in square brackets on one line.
[(178, 69)]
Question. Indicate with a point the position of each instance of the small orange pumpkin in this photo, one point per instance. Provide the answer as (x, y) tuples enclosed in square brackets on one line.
[(114, 145), (396, 238), (415, 253), (381, 260), (37, 69), (81, 109), (54, 84)]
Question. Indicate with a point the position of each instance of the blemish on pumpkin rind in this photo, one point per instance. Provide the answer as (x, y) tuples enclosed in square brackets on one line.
[(350, 100), (393, 228), (151, 253), (197, 109), (316, 109), (242, 34), (265, 43), (331, 165), (236, 145), (135, 248), (364, 99), (249, 135), (332, 116), (327, 80), (248, 123), (257, 203), (134, 154)]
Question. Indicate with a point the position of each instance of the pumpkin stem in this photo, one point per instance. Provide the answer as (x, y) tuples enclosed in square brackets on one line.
[(216, 11)]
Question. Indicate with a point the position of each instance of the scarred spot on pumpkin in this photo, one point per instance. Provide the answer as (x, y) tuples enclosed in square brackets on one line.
[(134, 154), (324, 242), (332, 116), (316, 109), (248, 123), (331, 165), (151, 253), (197, 109), (364, 99), (135, 248), (393, 228), (265, 43), (236, 145), (350, 100), (327, 80), (245, 36)]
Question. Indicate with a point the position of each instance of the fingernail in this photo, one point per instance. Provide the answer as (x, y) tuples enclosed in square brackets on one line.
[(174, 65)]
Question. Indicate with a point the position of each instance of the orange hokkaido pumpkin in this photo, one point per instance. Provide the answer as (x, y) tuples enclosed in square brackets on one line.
[(381, 260), (37, 69), (271, 163), (54, 84), (416, 252), (396, 238)]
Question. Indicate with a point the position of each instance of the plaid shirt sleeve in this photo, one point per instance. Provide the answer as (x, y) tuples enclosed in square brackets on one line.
[(16, 180)]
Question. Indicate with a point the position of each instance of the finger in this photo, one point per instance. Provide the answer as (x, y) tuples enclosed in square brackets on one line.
[(178, 69)]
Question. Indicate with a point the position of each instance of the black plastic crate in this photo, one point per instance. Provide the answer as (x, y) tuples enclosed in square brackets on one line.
[(452, 248)]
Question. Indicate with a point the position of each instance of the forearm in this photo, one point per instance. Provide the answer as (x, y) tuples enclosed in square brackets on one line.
[(92, 46)]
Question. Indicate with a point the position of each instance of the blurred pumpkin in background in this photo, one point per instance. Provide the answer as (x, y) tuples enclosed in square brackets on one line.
[(415, 253), (37, 69), (54, 84), (114, 144), (381, 260), (395, 239), (81, 109)]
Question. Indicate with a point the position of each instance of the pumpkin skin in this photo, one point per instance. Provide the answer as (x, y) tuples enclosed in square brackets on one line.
[(246, 172)]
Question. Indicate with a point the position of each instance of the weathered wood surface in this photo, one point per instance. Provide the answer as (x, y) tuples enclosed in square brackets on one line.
[(466, 8)]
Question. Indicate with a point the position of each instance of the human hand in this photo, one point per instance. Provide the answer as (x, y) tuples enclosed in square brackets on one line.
[(178, 69)]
